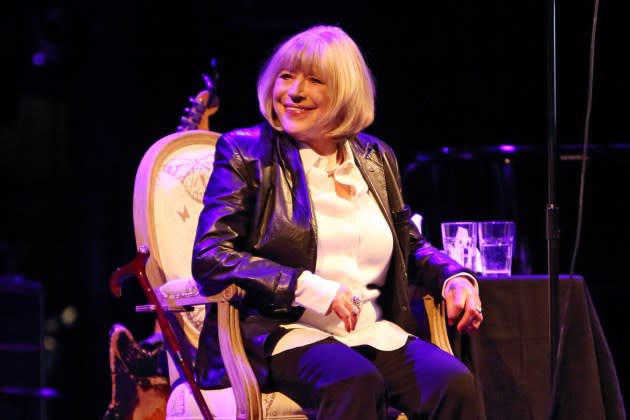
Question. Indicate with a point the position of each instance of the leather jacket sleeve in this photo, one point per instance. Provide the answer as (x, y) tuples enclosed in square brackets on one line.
[(223, 250)]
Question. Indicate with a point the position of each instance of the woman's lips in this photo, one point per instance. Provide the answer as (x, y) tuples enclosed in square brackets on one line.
[(295, 110)]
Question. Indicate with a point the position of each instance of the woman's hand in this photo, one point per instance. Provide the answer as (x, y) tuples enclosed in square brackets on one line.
[(346, 307), (463, 304)]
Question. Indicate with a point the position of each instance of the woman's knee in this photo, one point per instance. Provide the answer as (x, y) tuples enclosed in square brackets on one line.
[(361, 395), (366, 382), (452, 397), (460, 383)]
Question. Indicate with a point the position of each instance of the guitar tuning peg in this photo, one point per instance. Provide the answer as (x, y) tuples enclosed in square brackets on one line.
[(199, 106), (207, 80), (196, 102), (186, 124)]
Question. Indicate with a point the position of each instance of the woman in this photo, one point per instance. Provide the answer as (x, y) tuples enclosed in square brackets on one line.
[(305, 212)]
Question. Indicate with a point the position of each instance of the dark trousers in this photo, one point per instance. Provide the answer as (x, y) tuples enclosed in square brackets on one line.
[(361, 382)]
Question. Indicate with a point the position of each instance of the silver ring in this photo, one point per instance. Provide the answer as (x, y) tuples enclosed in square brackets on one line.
[(356, 301), (478, 309)]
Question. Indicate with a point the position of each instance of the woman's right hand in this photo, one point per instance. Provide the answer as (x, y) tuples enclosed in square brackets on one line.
[(344, 308)]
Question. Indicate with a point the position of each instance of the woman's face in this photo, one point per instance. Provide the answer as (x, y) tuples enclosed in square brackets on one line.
[(299, 101)]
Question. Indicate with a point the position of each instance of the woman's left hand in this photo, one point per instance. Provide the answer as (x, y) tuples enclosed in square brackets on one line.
[(463, 305)]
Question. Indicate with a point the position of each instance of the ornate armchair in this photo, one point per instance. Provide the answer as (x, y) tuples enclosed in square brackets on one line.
[(169, 187)]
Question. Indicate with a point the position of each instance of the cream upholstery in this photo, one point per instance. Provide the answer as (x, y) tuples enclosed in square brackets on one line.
[(168, 192)]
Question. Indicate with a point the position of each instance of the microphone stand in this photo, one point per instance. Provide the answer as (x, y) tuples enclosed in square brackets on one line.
[(552, 209)]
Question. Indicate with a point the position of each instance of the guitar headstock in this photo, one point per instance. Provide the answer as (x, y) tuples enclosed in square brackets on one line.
[(202, 105)]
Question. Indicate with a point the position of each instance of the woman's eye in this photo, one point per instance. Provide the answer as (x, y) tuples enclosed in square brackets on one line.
[(285, 76), (316, 80)]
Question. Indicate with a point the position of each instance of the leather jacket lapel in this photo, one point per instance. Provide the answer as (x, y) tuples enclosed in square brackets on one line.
[(371, 166), (288, 154)]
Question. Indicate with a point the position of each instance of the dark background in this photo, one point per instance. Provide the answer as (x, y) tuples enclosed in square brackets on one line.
[(113, 77)]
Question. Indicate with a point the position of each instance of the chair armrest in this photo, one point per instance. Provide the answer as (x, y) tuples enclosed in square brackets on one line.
[(436, 317), (430, 315), (244, 384)]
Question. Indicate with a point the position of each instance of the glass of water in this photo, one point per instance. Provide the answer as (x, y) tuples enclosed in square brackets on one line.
[(460, 242), (496, 247)]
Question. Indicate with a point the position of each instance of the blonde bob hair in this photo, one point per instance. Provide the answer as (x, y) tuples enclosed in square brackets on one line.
[(331, 54)]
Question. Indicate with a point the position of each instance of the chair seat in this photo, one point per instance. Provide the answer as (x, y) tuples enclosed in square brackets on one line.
[(276, 406), (182, 406)]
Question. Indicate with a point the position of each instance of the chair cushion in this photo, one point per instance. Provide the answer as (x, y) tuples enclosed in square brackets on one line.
[(182, 406)]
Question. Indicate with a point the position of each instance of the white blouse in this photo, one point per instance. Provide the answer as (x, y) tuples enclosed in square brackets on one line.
[(354, 248)]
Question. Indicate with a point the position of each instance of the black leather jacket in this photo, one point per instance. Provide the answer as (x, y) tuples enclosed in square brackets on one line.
[(257, 230)]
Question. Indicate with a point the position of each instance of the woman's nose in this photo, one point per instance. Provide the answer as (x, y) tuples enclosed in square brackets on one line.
[(296, 90)]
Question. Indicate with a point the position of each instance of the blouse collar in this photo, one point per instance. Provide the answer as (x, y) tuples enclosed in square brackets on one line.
[(346, 173)]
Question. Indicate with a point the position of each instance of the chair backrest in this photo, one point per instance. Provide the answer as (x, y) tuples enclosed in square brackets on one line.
[(167, 199)]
